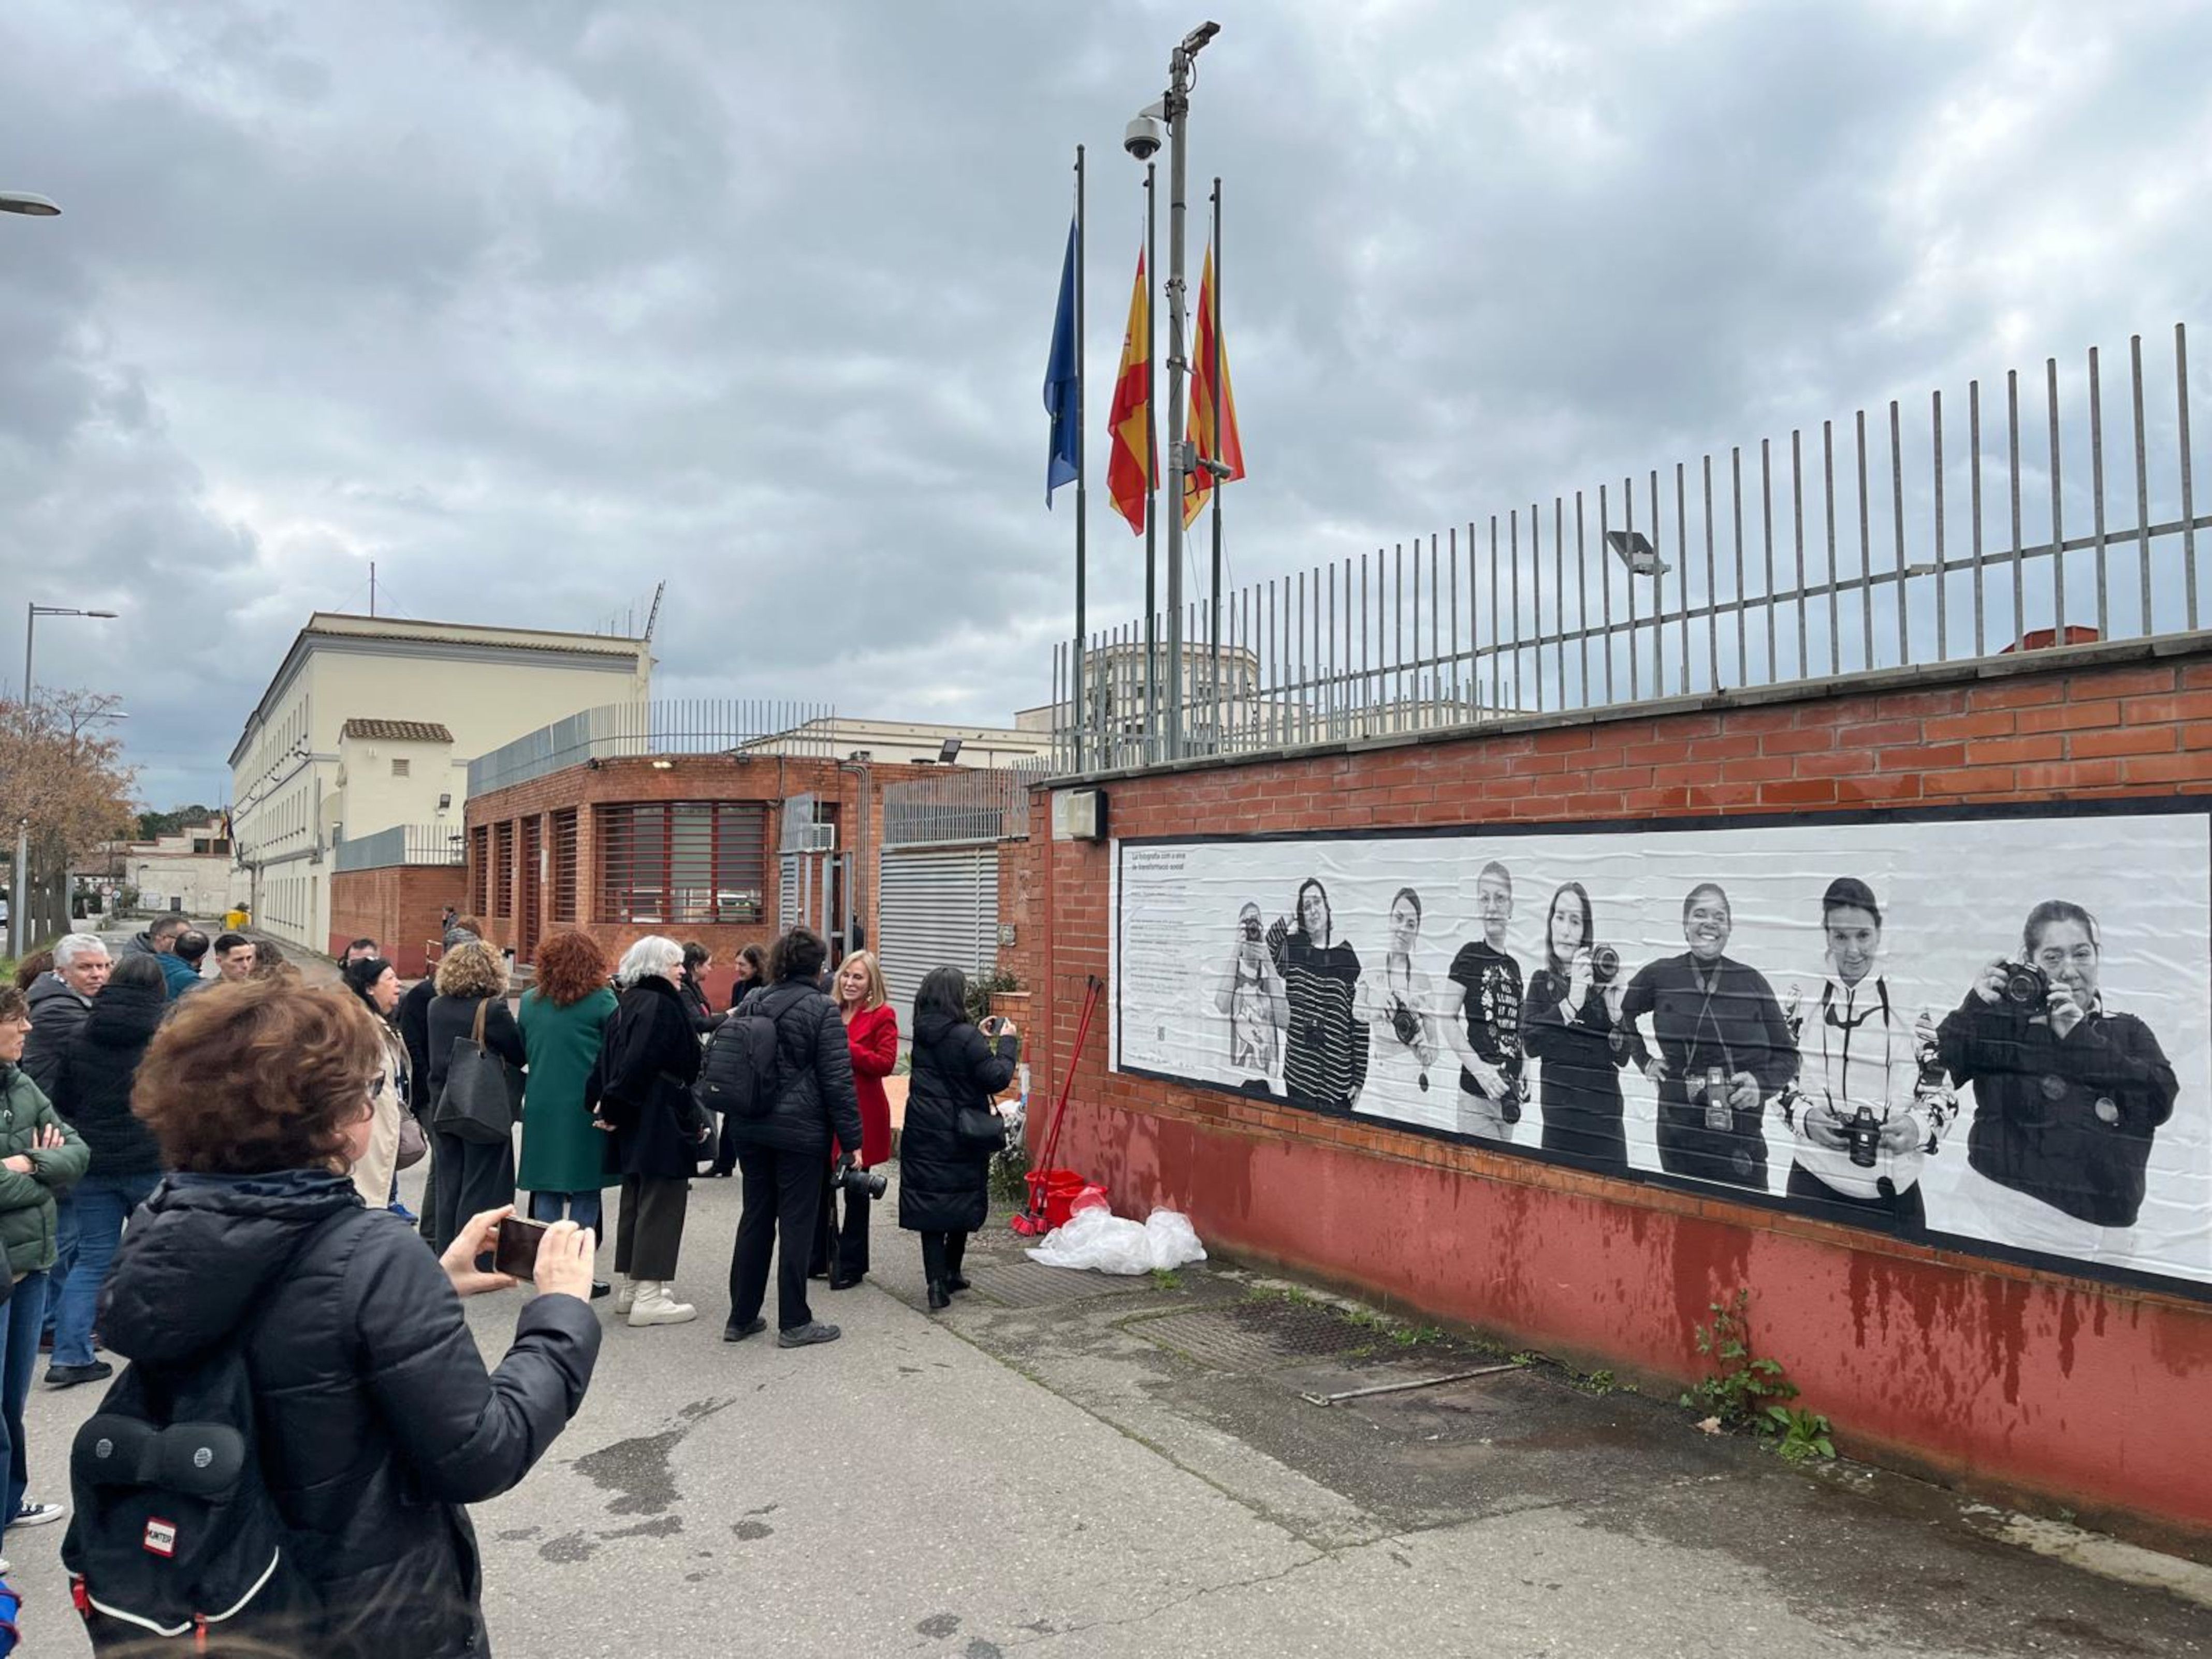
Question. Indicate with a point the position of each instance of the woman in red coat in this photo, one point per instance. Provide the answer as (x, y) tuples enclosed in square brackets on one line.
[(840, 1250)]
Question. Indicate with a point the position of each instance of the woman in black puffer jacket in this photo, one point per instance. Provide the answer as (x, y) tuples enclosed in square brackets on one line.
[(378, 1419), (944, 1181), (92, 1092)]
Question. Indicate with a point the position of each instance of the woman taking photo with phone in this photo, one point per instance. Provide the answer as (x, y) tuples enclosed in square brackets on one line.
[(945, 1177)]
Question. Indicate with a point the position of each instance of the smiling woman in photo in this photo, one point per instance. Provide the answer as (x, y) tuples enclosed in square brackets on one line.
[(1325, 1056), (1571, 1024)]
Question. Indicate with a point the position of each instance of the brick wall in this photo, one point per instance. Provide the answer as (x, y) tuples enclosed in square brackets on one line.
[(398, 907), (2009, 1378), (1018, 909)]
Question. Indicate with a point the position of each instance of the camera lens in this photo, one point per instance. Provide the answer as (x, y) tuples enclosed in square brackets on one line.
[(1605, 964), (2026, 987)]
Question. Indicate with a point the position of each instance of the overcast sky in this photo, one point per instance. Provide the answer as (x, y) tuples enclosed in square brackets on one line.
[(537, 302)]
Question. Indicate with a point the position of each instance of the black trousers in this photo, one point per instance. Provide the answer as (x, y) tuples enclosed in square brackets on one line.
[(782, 1193), (942, 1255), (467, 1178), (725, 1146), (841, 1246), (649, 1232), (1906, 1208)]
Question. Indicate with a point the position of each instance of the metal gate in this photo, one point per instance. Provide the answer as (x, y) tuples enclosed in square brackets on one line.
[(938, 907)]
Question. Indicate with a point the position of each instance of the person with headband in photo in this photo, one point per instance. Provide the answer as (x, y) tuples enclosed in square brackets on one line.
[(1862, 1124), (2068, 1092), (1571, 1024), (1325, 1052), (1396, 1002), (1724, 1049), (1249, 993)]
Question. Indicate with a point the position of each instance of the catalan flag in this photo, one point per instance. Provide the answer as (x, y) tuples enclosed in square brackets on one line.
[(1134, 461), (1224, 447)]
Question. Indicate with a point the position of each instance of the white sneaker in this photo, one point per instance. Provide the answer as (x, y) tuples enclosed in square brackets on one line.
[(625, 1294), (6, 1566), (656, 1306), (38, 1515)]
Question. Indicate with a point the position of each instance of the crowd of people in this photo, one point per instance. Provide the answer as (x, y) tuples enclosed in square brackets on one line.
[(194, 1161)]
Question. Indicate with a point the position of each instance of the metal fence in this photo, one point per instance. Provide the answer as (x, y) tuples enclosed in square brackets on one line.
[(690, 726), (1826, 554), (403, 843), (963, 806)]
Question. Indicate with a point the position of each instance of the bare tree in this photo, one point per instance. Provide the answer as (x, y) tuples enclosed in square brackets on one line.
[(61, 769)]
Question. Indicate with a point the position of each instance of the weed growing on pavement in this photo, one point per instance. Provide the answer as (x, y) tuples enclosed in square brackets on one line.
[(1597, 1382), (1747, 1390), (1524, 1357), (1166, 1278), (1009, 1176), (1412, 1336)]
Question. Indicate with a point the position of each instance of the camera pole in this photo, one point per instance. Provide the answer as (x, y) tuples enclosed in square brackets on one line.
[(1178, 117)]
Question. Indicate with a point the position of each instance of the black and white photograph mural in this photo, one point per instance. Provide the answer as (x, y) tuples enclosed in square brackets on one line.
[(1992, 1025)]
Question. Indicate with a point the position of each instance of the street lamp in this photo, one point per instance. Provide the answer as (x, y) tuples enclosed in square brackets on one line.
[(23, 202), (18, 922), (1141, 140)]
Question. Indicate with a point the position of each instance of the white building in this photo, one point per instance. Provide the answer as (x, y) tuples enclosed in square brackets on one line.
[(189, 872), (370, 722), (844, 737)]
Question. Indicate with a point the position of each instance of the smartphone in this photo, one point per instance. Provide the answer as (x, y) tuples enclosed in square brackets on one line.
[(517, 1253)]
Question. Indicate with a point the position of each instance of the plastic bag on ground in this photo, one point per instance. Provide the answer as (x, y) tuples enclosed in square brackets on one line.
[(1097, 1238)]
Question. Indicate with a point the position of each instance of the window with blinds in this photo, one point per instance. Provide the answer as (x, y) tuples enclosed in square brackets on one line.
[(682, 861), (479, 869), (564, 865), (502, 868)]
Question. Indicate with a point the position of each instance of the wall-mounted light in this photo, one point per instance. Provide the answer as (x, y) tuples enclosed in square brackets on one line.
[(662, 765), (950, 753), (445, 803)]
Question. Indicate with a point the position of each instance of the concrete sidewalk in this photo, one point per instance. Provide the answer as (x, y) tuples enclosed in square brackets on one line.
[(1070, 1465)]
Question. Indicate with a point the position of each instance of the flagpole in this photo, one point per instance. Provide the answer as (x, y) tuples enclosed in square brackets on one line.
[(1219, 475), (1081, 709), (1151, 488)]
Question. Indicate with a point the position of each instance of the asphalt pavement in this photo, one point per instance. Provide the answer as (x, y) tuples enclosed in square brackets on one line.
[(1068, 1465)]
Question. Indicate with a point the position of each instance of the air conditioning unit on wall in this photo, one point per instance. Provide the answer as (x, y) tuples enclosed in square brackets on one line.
[(817, 838)]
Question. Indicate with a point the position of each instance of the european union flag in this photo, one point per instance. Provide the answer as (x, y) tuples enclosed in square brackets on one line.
[(1063, 377)]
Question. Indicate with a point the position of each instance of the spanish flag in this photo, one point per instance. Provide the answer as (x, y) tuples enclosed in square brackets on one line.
[(1132, 466), (1226, 447)]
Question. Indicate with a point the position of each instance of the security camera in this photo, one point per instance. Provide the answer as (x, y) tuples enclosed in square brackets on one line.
[(1142, 138)]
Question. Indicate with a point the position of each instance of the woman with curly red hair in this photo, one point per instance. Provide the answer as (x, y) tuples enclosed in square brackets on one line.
[(564, 1017)]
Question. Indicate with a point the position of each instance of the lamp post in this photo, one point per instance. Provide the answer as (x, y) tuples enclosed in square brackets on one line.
[(1175, 110), (25, 202), (18, 921)]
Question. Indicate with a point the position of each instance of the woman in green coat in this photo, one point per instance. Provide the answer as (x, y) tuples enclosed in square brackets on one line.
[(40, 1156), (564, 1158)]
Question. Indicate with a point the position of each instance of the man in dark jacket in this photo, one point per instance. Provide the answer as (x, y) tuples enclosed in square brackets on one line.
[(780, 1154), (159, 941), (60, 1002)]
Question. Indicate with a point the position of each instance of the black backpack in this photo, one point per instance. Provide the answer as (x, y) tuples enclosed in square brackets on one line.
[(174, 1544), (743, 1070)]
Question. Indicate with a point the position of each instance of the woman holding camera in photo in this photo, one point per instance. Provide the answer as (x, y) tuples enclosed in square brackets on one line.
[(1397, 1004), (640, 1093), (945, 1177), (2067, 1093), (1570, 1021), (1863, 1128), (1249, 991)]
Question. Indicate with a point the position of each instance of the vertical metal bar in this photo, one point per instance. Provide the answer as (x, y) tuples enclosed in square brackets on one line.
[(1866, 548), (1605, 584), (1473, 624), (1936, 419), (1658, 599), (1897, 503), (1682, 571), (1742, 637), (1514, 529), (2019, 568), (2097, 489), (1453, 561), (1797, 538), (2188, 481), (1766, 537), (1628, 581), (2142, 481), (1366, 646), (1974, 453), (1712, 585), (1536, 595), (2058, 513), (1828, 511), (1278, 714), (1581, 608), (1559, 594), (1436, 638), (1332, 692), (1496, 666)]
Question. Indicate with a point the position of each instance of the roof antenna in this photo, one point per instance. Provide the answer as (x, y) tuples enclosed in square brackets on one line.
[(659, 588)]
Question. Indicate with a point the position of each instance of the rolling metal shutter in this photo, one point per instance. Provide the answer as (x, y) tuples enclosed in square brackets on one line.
[(937, 907)]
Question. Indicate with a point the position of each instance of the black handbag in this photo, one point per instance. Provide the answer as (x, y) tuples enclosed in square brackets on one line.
[(478, 1101), (980, 1129)]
